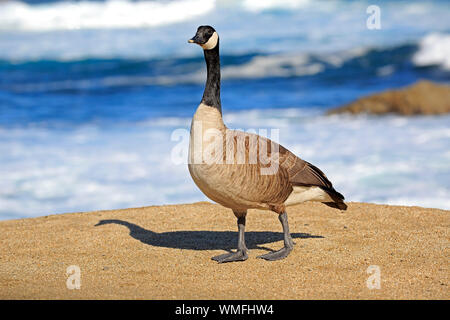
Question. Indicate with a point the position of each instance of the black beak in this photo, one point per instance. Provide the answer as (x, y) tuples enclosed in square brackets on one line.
[(194, 39)]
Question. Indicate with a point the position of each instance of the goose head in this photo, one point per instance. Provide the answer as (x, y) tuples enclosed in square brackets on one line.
[(206, 37)]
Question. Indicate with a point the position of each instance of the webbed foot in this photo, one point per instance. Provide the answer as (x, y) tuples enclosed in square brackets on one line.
[(276, 255), (239, 255)]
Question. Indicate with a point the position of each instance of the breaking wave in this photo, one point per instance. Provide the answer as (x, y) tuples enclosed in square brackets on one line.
[(71, 15), (434, 49)]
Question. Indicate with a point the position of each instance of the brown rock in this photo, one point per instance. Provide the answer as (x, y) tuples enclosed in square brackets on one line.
[(423, 97)]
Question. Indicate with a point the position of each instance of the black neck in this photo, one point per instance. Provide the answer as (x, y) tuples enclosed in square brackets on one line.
[(211, 95)]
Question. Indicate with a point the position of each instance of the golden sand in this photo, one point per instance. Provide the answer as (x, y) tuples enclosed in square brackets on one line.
[(163, 252)]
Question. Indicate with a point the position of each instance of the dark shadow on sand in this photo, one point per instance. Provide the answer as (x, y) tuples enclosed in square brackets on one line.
[(202, 240)]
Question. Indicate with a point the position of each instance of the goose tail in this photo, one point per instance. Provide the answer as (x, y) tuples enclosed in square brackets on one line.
[(338, 199)]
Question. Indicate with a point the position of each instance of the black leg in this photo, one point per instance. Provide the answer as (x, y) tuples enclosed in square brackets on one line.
[(241, 253), (288, 242)]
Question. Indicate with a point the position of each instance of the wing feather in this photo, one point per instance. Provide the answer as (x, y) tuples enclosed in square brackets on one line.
[(303, 173)]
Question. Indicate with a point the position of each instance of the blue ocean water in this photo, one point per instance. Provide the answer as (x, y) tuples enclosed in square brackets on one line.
[(91, 93)]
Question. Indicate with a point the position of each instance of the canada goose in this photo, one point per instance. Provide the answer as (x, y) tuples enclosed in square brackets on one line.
[(244, 182)]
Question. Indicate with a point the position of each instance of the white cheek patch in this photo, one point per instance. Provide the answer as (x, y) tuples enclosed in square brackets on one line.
[(212, 42)]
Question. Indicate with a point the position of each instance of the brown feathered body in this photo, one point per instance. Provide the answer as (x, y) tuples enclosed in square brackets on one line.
[(241, 170)]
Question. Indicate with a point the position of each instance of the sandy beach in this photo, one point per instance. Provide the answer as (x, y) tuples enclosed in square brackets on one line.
[(163, 252)]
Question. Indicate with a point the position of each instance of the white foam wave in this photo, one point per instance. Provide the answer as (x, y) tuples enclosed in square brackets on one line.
[(15, 15), (262, 5), (391, 159), (434, 49), (290, 64), (275, 66), (385, 71), (109, 82), (67, 30), (278, 65)]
